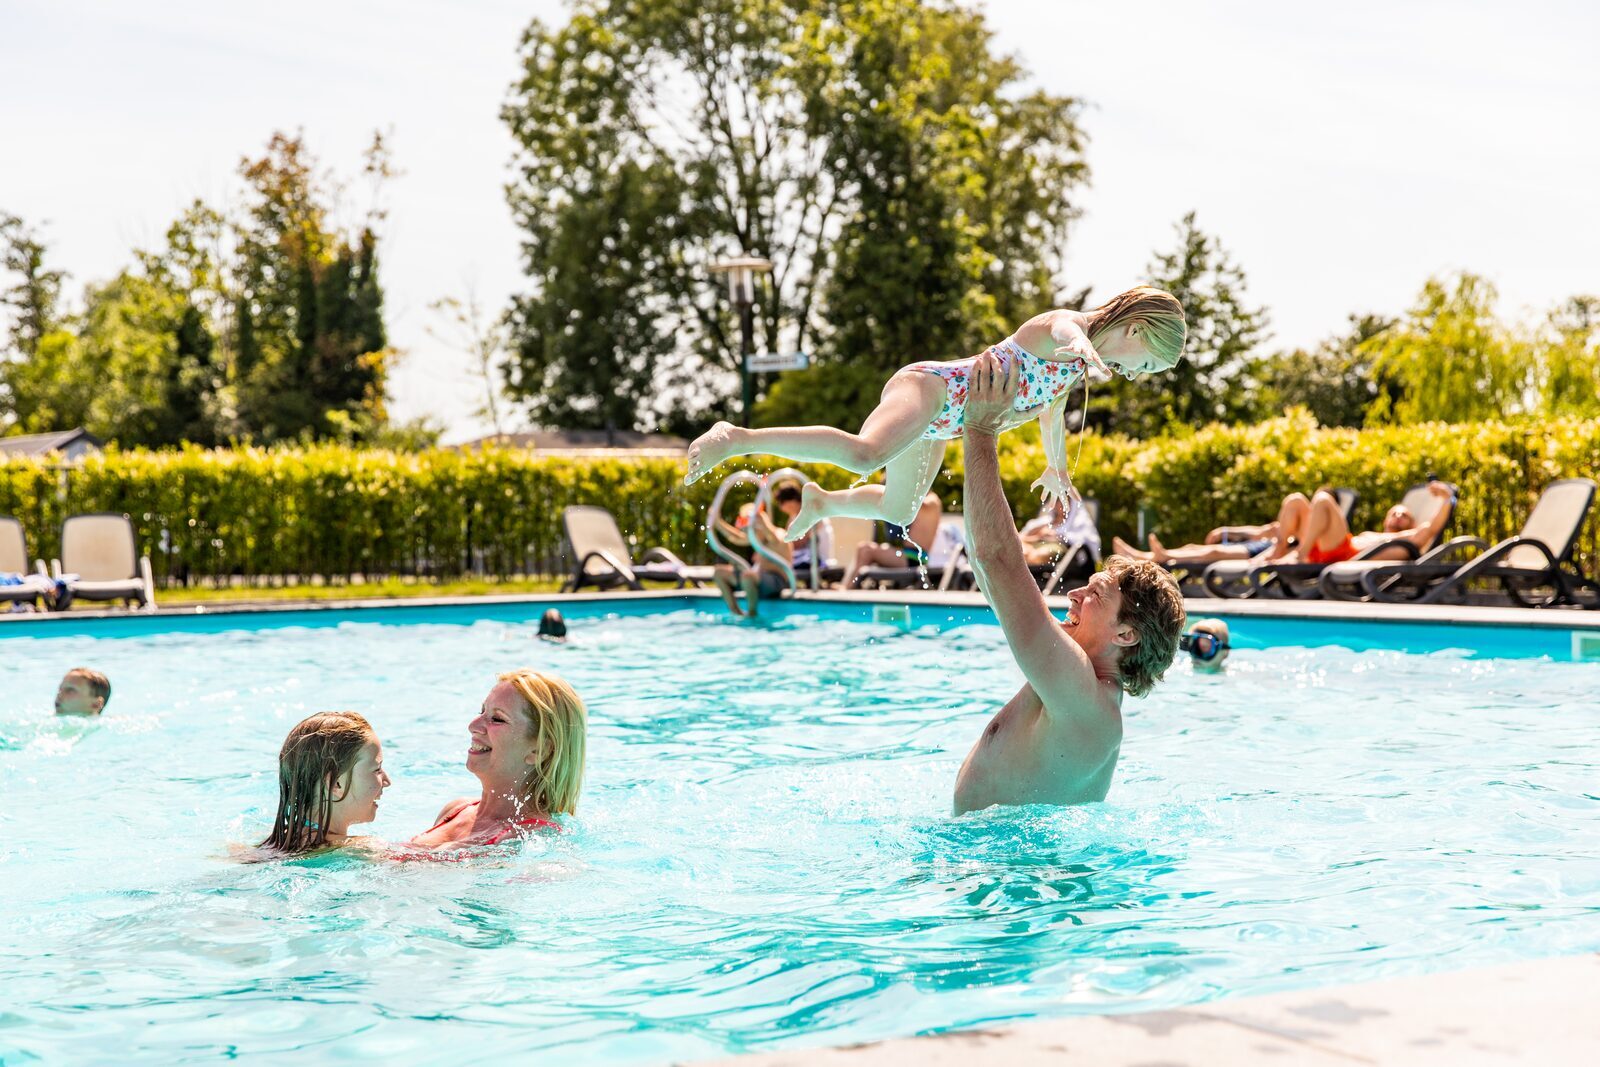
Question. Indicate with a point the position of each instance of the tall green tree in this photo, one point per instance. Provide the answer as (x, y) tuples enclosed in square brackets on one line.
[(32, 300), (1568, 367), (911, 196), (308, 309), (1450, 359), (1207, 385), (1334, 380)]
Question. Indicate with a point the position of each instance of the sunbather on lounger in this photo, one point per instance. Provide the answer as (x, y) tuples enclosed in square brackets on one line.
[(1321, 534)]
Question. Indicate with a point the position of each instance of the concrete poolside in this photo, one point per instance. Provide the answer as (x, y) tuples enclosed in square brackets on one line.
[(1537, 1012)]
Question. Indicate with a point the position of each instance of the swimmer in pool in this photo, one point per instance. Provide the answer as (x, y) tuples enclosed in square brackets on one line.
[(923, 407), (82, 691), (1056, 741), (527, 748), (330, 776)]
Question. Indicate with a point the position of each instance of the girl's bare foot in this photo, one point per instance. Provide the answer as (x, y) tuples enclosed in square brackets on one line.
[(1158, 551), (710, 449), (812, 497), (1122, 548)]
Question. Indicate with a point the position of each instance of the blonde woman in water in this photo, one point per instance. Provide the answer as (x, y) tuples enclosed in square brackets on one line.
[(922, 407)]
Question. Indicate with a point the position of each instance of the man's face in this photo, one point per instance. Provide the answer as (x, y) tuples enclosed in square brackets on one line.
[(790, 508), (1399, 520), (1095, 607), (73, 697)]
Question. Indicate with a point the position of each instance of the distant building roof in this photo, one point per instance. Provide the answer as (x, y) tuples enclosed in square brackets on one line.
[(579, 441), (70, 443)]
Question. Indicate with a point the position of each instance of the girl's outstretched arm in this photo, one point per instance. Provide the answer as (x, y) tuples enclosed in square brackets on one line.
[(1072, 343), (1055, 481)]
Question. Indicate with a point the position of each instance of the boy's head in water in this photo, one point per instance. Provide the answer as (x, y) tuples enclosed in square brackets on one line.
[(82, 692), (552, 627), (1207, 645), (1138, 332)]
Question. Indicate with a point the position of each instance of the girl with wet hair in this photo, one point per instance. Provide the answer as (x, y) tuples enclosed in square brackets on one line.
[(330, 776)]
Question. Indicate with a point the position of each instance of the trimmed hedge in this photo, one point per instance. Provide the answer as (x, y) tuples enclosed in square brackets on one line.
[(280, 514)]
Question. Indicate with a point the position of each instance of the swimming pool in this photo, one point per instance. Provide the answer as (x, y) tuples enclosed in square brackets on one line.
[(763, 856)]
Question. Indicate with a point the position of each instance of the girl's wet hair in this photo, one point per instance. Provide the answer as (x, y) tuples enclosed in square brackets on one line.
[(318, 753), (560, 725), (1156, 317)]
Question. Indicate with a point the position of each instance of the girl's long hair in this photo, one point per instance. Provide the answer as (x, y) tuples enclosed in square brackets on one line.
[(1157, 316), (559, 723), (318, 752)]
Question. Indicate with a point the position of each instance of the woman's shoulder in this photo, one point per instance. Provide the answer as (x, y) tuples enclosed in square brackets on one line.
[(452, 809)]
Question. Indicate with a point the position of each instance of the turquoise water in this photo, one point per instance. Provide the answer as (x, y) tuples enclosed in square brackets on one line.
[(764, 857)]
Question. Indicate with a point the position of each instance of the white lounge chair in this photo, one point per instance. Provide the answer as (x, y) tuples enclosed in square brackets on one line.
[(100, 561), (603, 560), (36, 584)]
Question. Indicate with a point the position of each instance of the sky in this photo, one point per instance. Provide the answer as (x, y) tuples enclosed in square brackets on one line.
[(1342, 153)]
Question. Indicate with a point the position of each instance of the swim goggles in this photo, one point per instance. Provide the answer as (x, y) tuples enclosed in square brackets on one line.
[(1201, 645)]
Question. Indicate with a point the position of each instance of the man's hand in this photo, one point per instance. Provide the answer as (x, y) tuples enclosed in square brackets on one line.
[(991, 391)]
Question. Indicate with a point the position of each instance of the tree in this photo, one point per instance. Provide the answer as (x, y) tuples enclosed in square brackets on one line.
[(908, 211), (1206, 385), (1450, 359), (266, 323), (1568, 367), (1334, 381), (308, 309), (32, 301)]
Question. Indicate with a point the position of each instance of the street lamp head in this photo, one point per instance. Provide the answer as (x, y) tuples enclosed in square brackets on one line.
[(741, 272)]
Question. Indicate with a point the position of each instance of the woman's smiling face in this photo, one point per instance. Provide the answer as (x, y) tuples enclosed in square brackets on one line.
[(502, 744)]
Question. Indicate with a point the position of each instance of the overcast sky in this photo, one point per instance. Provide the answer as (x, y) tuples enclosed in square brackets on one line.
[(1343, 153)]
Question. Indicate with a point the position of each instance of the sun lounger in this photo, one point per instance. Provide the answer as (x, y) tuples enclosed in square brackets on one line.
[(946, 558), (100, 561), (603, 560), (1073, 553), (1534, 568), (35, 584), (1245, 578)]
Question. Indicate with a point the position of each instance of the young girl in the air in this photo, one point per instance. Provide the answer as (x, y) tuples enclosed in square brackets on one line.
[(922, 407)]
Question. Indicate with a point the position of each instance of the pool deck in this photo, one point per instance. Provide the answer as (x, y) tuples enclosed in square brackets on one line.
[(1197, 607), (1537, 1012)]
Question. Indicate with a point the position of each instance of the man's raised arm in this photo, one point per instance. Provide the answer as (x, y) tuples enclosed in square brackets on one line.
[(1054, 665)]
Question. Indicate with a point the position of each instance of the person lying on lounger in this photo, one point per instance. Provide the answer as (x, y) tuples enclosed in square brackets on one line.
[(1321, 535)]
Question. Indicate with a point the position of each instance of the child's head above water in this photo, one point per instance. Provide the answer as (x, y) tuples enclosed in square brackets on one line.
[(1139, 332), (330, 776), (82, 692)]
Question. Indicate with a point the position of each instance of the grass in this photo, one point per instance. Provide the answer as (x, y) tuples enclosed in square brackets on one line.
[(392, 589)]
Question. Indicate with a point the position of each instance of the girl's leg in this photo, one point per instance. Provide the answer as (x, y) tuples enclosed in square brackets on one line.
[(905, 483), (909, 402), (727, 583)]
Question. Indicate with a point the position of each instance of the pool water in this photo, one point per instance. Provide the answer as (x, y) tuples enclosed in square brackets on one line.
[(764, 856)]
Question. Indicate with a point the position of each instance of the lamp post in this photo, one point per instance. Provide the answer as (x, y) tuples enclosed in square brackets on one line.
[(741, 272)]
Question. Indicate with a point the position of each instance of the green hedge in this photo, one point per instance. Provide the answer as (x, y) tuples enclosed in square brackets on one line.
[(336, 512)]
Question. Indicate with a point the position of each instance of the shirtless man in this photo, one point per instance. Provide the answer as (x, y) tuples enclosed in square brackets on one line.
[(1057, 740)]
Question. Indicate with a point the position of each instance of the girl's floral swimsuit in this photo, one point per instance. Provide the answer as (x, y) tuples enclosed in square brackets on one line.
[(1042, 380)]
